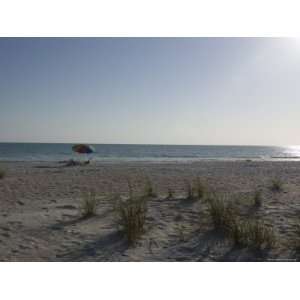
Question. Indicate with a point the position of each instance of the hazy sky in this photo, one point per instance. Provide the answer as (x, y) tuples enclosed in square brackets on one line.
[(159, 91)]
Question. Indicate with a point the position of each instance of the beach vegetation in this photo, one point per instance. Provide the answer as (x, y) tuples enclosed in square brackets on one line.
[(130, 188), (149, 190), (257, 198), (251, 233), (259, 235), (170, 194), (131, 214), (181, 232), (89, 204), (221, 213), (199, 188), (237, 232), (244, 233), (276, 185), (189, 191), (2, 173), (297, 241)]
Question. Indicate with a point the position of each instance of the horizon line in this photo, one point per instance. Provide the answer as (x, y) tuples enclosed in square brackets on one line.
[(153, 144)]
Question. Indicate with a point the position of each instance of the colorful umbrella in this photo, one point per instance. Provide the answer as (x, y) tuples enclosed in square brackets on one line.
[(83, 148)]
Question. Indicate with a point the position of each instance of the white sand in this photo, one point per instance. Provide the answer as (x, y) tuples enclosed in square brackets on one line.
[(40, 219)]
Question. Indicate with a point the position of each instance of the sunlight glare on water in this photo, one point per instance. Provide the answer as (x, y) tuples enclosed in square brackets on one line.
[(292, 151)]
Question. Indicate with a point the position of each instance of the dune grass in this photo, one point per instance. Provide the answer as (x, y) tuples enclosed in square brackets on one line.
[(244, 233), (131, 215), (220, 212), (2, 173), (130, 188), (276, 185), (237, 232), (200, 189), (195, 190), (257, 198), (89, 204), (149, 190), (259, 236), (225, 219), (297, 241), (170, 194), (252, 234), (180, 229), (189, 190)]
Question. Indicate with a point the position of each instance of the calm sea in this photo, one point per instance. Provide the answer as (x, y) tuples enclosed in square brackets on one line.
[(106, 152)]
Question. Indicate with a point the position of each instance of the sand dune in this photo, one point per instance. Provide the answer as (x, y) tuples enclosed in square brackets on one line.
[(40, 218)]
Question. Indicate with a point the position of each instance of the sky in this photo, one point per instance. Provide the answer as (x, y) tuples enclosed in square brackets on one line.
[(211, 91)]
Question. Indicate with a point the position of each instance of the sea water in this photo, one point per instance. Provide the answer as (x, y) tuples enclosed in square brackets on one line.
[(114, 152)]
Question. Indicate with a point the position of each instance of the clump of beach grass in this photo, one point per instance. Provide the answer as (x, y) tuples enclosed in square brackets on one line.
[(245, 233), (276, 185), (253, 234), (130, 188), (220, 212), (189, 191), (89, 204), (225, 218), (297, 241), (181, 232), (195, 190), (199, 188), (170, 194), (131, 215), (2, 173), (259, 235), (237, 232), (149, 191), (113, 200), (257, 198)]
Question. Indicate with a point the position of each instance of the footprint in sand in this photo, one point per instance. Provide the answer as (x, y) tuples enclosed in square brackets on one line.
[(76, 243), (5, 228), (67, 215), (6, 234), (66, 206), (23, 247), (15, 223)]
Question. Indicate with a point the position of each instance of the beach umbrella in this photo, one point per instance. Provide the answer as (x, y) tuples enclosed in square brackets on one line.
[(83, 149)]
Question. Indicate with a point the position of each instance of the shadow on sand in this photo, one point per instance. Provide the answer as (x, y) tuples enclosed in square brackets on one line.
[(102, 249)]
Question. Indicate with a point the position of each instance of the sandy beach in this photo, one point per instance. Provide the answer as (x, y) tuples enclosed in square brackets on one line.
[(40, 216)]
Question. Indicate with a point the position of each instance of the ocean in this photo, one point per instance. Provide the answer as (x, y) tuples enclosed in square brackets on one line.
[(114, 152)]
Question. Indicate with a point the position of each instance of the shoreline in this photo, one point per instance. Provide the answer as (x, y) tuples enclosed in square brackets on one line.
[(156, 160)]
